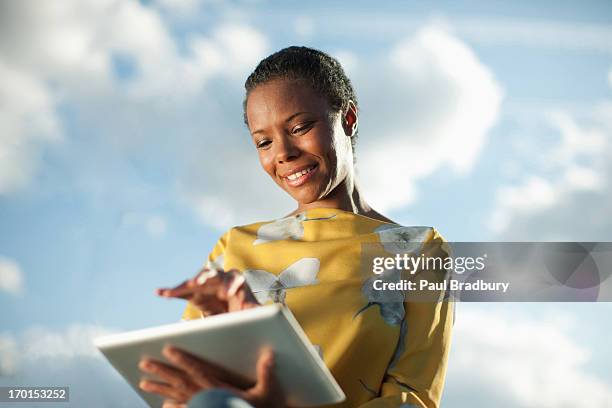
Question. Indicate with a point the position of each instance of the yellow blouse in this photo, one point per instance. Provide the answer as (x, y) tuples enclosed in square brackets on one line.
[(383, 354)]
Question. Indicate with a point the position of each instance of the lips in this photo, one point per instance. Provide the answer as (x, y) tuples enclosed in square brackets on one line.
[(298, 176)]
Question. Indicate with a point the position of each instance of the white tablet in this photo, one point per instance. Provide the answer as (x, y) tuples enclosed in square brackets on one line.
[(232, 340)]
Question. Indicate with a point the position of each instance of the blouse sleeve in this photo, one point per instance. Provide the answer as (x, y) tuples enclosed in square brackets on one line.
[(416, 375), (215, 258)]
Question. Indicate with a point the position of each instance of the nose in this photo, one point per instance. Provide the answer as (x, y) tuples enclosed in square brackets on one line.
[(286, 150)]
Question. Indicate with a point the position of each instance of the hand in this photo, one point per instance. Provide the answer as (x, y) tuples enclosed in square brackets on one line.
[(214, 291), (189, 375)]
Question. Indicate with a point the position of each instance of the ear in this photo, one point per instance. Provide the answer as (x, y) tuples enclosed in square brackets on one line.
[(349, 119)]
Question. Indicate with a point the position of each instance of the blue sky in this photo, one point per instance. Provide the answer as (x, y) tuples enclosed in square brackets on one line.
[(124, 157)]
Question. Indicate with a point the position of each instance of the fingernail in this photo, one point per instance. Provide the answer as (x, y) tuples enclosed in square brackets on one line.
[(143, 384), (269, 355), (204, 276), (235, 286), (271, 361), (171, 351)]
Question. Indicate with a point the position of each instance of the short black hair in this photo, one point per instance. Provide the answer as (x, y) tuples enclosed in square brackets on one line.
[(322, 71)]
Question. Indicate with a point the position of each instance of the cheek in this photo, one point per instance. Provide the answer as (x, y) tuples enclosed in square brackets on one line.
[(319, 144), (267, 162), (328, 152)]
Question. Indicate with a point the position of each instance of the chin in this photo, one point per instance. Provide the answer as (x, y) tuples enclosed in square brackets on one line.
[(305, 197), (305, 194)]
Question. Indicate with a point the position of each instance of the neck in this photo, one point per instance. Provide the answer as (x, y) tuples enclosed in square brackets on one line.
[(347, 197)]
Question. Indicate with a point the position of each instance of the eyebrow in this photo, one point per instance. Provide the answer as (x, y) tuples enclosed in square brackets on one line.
[(286, 120)]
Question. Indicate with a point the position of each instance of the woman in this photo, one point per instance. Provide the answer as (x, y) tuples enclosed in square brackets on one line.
[(302, 115)]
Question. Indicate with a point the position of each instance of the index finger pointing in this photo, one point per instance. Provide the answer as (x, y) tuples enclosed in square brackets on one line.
[(168, 291), (187, 288)]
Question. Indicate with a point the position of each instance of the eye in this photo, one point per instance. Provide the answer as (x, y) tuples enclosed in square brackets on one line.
[(262, 144), (302, 128)]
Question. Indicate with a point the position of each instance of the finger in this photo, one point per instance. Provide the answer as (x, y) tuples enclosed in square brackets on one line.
[(186, 291), (169, 374), (231, 283), (212, 290), (238, 293), (266, 379), (166, 291), (244, 299), (235, 282), (234, 287), (228, 278), (197, 280), (163, 389), (173, 404), (206, 371), (208, 304), (207, 281)]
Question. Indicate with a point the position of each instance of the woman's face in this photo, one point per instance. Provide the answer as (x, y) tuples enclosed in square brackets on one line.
[(303, 146)]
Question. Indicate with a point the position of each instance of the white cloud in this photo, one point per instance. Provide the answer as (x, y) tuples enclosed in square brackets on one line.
[(238, 194), (487, 30), (348, 60), (212, 210), (8, 355), (154, 224), (535, 194), (440, 102), (74, 44), (11, 277), (55, 52), (242, 47), (448, 98), (492, 30), (67, 52), (522, 361), (523, 32), (576, 140), (39, 344), (181, 8), (27, 123), (564, 192), (75, 341), (63, 40), (304, 26), (582, 178), (64, 357)]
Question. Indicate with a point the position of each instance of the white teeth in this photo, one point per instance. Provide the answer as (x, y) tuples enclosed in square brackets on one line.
[(299, 173)]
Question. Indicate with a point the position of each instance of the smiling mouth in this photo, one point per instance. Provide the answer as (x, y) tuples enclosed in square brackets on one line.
[(298, 178)]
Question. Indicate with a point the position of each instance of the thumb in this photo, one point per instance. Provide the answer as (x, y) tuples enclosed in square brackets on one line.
[(265, 374)]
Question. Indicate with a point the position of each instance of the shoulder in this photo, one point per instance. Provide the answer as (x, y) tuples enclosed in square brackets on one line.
[(400, 237), (254, 226), (262, 231), (375, 215), (412, 232)]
